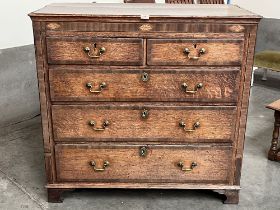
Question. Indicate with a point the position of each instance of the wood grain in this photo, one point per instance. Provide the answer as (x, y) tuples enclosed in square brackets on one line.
[(156, 27), (232, 196), (139, 1), (129, 11), (179, 1), (159, 165), (211, 1), (119, 51), (70, 123), (142, 185), (134, 46), (274, 151), (274, 105), (147, 35), (219, 85), (42, 76), (171, 52), (243, 105)]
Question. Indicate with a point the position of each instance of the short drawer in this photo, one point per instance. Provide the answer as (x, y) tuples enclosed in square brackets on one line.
[(96, 51), (169, 163), (204, 85), (194, 51), (147, 122)]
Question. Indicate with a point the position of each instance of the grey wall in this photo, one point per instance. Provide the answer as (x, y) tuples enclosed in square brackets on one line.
[(268, 35), (18, 84)]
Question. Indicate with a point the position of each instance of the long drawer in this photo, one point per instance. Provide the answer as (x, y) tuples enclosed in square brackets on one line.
[(144, 164), (194, 51), (95, 51), (147, 122), (204, 85)]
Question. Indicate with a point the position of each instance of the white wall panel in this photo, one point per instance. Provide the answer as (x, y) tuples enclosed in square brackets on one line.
[(16, 29)]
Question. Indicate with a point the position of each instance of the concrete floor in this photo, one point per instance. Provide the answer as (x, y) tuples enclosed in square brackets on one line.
[(22, 177)]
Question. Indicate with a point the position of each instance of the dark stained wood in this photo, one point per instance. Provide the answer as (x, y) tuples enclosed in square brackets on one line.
[(232, 196), (159, 165), (42, 76), (219, 85), (274, 151), (223, 189), (139, 1), (50, 166), (179, 1), (238, 166), (71, 123), (153, 19), (150, 185), (171, 52), (155, 45), (136, 10), (119, 51), (274, 105), (194, 26), (244, 93), (211, 1), (55, 194)]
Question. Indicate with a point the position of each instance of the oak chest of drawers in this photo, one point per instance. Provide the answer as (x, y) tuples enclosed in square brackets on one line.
[(144, 96)]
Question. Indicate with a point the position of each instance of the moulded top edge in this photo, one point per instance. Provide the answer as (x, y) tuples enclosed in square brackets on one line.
[(146, 10)]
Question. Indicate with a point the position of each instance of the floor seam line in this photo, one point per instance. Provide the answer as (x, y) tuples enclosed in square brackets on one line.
[(21, 121), (22, 188)]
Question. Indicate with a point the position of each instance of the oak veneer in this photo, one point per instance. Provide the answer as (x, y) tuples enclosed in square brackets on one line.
[(211, 1), (179, 1), (71, 123), (118, 51), (160, 164), (154, 44), (219, 85), (217, 52), (139, 1)]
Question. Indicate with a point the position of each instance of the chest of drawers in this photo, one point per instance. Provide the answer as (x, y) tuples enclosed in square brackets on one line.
[(144, 96)]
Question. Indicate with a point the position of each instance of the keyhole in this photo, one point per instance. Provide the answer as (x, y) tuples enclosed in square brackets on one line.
[(143, 151), (195, 46), (145, 77), (94, 45)]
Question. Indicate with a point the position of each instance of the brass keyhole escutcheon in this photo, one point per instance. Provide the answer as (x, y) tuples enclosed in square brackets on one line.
[(143, 151), (145, 114), (145, 77)]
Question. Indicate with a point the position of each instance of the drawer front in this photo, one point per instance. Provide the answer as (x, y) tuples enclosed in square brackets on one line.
[(139, 28), (121, 122), (194, 52), (149, 85), (96, 51), (158, 164)]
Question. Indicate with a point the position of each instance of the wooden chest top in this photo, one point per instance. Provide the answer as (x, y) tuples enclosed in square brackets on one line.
[(138, 10)]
